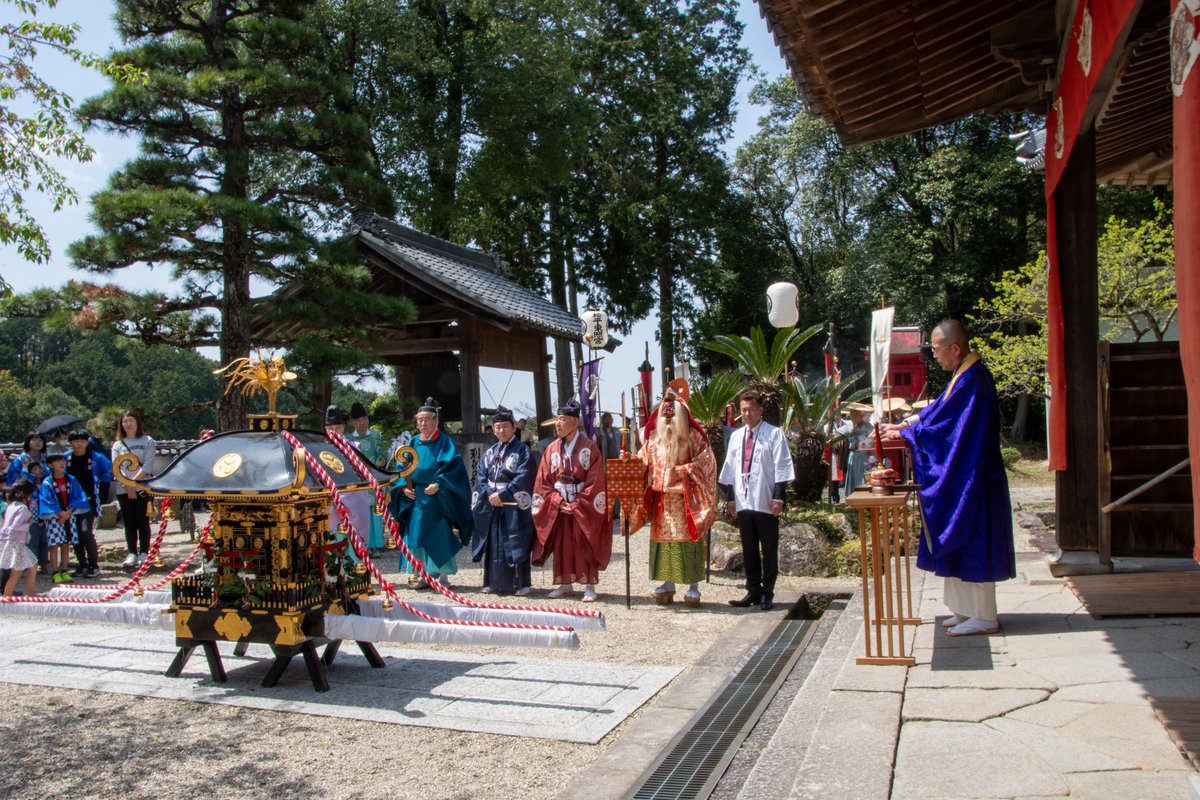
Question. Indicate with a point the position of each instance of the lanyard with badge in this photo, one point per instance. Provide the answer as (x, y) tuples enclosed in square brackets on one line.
[(747, 463)]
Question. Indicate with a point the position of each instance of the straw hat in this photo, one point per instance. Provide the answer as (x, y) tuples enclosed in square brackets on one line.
[(919, 404), (895, 404), (857, 407)]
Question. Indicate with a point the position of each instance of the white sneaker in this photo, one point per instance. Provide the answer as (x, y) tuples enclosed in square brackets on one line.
[(130, 560), (141, 559), (565, 589), (589, 594), (487, 590), (952, 620), (523, 591)]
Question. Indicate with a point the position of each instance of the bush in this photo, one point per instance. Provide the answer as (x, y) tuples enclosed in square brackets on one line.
[(1010, 456)]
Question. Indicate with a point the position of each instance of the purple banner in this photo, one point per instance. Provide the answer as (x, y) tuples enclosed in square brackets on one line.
[(589, 396)]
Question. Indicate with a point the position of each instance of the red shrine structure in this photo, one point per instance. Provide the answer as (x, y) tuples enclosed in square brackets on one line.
[(1119, 85)]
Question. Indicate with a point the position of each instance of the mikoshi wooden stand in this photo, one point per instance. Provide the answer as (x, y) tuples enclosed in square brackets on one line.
[(884, 525)]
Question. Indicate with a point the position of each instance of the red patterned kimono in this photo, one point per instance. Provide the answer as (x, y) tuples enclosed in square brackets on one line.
[(581, 542), (680, 505)]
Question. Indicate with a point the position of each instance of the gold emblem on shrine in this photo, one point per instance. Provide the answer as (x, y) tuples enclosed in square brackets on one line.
[(226, 465), (332, 461), (232, 626)]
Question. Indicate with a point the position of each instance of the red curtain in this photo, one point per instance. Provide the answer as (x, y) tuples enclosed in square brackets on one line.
[(1095, 32), (1185, 82)]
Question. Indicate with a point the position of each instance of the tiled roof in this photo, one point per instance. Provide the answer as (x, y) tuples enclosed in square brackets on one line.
[(470, 276)]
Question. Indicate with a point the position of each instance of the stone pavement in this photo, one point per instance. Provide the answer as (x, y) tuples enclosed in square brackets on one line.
[(567, 700), (1056, 705)]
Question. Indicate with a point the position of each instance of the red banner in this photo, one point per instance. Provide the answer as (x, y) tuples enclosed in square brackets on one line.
[(1095, 32), (1185, 83)]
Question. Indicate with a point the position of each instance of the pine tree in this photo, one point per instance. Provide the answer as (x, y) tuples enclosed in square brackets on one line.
[(250, 156)]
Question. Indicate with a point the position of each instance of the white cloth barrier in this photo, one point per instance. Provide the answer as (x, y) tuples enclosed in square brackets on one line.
[(374, 629), (147, 611), (373, 607), (138, 615)]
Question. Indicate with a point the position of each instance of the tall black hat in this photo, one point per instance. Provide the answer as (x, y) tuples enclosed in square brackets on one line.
[(430, 407), (357, 411), (335, 416), (570, 409), (503, 415)]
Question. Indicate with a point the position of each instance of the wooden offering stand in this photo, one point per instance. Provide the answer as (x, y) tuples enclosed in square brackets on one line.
[(884, 525)]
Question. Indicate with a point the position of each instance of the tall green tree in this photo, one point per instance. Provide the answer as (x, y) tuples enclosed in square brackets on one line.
[(926, 222), (1136, 296), (249, 157), (665, 78), (28, 141)]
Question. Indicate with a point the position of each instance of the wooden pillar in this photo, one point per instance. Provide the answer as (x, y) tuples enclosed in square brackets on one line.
[(469, 378), (1077, 487), (541, 390)]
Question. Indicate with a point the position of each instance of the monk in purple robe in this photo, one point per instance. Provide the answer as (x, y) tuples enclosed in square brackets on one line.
[(955, 442)]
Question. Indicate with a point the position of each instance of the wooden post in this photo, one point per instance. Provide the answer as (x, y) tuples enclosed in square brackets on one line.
[(1077, 487)]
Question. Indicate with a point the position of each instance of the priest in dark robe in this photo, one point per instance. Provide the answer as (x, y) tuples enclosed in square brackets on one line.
[(502, 506), (955, 442), (433, 500), (570, 512)]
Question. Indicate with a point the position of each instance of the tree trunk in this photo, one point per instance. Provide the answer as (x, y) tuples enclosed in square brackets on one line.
[(556, 266), (235, 299), (666, 271), (1020, 419)]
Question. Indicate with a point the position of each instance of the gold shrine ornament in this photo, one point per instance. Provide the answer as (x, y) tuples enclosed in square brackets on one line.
[(227, 465), (332, 461)]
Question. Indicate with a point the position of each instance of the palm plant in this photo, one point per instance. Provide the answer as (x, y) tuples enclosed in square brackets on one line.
[(708, 404), (765, 367), (810, 406)]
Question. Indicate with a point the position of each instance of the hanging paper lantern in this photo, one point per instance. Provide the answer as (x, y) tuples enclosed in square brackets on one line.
[(783, 304), (595, 327)]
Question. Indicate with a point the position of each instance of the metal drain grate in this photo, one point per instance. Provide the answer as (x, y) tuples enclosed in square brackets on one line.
[(695, 760)]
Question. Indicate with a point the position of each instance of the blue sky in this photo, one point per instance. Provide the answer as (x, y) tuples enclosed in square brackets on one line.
[(96, 34)]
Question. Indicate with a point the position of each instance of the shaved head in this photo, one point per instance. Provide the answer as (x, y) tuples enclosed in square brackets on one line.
[(953, 332)]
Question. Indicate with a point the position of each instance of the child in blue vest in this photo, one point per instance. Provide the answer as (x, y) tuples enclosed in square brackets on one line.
[(60, 499)]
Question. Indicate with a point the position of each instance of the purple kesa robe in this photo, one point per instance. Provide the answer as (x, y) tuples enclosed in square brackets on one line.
[(964, 488)]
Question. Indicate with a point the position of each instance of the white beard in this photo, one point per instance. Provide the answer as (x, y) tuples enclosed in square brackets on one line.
[(671, 438)]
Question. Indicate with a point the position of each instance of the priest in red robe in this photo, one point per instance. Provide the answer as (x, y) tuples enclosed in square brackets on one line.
[(570, 513)]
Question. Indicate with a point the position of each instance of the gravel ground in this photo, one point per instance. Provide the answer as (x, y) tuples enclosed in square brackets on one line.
[(108, 745)]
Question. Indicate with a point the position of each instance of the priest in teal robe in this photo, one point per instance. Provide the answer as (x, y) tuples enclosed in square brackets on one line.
[(433, 501)]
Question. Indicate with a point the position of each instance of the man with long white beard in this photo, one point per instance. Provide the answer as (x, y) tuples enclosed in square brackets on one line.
[(681, 492)]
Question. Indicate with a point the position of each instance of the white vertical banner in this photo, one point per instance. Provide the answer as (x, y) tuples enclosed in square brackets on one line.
[(881, 348)]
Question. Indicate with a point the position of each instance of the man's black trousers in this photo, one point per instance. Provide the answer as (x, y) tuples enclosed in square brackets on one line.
[(760, 531)]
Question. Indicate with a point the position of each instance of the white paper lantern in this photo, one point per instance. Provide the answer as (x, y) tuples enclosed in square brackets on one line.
[(783, 304), (595, 327)]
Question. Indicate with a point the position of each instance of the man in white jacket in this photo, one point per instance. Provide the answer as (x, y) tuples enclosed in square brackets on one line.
[(757, 469)]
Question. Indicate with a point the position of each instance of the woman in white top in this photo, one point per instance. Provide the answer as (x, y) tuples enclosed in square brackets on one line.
[(134, 504)]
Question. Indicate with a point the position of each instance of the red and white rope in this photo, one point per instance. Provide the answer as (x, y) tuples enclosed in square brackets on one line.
[(134, 582), (360, 550), (348, 450)]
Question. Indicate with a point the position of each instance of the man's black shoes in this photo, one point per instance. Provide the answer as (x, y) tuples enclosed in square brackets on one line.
[(767, 602), (745, 602)]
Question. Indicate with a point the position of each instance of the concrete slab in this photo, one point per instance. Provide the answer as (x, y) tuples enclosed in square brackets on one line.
[(1135, 692), (1132, 734), (1140, 785), (962, 761), (1051, 713), (998, 677), (967, 704), (853, 725), (1064, 752), (1105, 667), (543, 698)]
